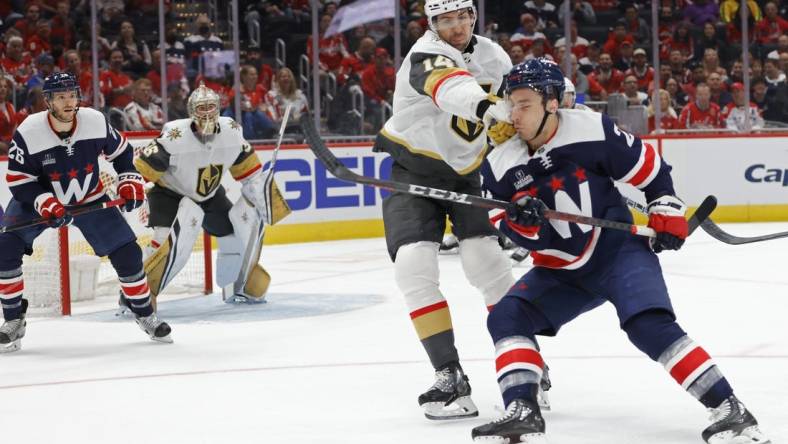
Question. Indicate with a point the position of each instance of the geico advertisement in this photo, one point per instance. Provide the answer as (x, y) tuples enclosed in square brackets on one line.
[(739, 171)]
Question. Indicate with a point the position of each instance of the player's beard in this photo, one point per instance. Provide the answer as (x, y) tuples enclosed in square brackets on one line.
[(62, 116)]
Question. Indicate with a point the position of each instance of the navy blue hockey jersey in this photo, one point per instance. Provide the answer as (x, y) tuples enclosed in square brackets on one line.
[(40, 162), (574, 173)]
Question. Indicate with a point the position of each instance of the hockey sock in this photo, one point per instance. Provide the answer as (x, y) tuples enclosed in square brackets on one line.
[(135, 290), (518, 363), (657, 334), (11, 287), (433, 325)]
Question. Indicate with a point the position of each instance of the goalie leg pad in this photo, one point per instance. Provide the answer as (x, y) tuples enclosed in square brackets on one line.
[(237, 269), (174, 245), (486, 267)]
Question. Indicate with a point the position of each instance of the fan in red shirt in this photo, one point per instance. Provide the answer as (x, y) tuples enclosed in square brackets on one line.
[(378, 79), (701, 113), (252, 93), (15, 62), (680, 40), (669, 119), (62, 25), (8, 117), (356, 63), (115, 84), (27, 25), (768, 30), (331, 49), (41, 41), (640, 69), (84, 77), (608, 77), (615, 39)]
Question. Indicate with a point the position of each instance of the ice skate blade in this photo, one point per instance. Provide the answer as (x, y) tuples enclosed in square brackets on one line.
[(750, 435), (531, 438), (238, 299), (164, 339), (543, 400), (11, 347), (462, 407)]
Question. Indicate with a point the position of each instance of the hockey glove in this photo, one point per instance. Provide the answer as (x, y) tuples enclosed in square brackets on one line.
[(666, 217), (494, 108), (525, 218), (50, 208), (131, 187), (501, 132)]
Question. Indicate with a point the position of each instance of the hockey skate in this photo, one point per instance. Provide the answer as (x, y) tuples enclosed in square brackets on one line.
[(12, 332), (449, 245), (155, 328), (450, 395), (733, 424), (244, 299), (522, 423), (544, 386), (123, 306)]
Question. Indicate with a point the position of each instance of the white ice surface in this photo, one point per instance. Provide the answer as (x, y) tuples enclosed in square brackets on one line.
[(333, 358)]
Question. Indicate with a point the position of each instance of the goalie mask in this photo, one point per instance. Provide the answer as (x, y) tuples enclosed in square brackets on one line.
[(204, 109)]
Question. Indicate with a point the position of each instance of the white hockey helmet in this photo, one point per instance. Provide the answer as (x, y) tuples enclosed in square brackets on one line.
[(434, 8), (570, 94), (203, 108)]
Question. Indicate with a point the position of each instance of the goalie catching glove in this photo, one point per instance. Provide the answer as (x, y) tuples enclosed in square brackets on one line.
[(131, 188), (666, 217)]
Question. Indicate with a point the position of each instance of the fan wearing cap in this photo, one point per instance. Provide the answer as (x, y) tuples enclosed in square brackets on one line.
[(569, 160), (445, 98), (640, 69), (734, 113)]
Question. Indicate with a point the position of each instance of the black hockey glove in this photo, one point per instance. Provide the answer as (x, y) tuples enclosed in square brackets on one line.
[(525, 217)]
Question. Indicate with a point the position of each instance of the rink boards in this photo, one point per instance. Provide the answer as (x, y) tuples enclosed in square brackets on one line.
[(748, 174)]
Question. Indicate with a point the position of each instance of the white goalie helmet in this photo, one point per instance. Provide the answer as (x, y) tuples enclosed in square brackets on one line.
[(204, 109), (434, 8)]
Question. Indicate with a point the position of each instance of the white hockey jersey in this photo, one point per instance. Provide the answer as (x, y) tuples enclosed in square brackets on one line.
[(438, 90), (190, 165)]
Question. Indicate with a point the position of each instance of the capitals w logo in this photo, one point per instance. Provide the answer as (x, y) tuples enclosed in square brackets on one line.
[(76, 190)]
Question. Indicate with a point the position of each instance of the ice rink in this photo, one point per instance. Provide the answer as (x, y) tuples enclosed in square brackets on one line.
[(333, 358)]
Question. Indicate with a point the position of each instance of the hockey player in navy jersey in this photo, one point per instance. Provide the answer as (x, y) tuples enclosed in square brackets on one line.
[(567, 160), (52, 169)]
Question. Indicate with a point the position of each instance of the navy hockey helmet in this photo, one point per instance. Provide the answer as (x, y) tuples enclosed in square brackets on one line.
[(59, 82), (541, 75)]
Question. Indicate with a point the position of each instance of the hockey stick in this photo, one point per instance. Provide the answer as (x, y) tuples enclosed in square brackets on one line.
[(699, 217), (714, 230), (339, 170), (76, 212)]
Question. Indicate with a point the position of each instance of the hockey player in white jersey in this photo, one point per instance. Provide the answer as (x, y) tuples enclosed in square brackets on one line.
[(186, 164), (569, 100), (53, 169), (445, 96)]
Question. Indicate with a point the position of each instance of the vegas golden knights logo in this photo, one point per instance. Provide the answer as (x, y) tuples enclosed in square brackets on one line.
[(469, 131), (208, 179)]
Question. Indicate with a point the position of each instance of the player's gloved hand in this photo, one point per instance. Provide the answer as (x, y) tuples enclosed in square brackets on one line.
[(131, 187), (494, 108), (501, 132), (525, 217), (50, 208), (666, 217)]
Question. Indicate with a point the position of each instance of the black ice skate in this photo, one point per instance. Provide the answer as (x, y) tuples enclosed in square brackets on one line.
[(155, 328), (522, 423), (449, 245), (12, 332), (733, 424), (124, 307), (450, 395)]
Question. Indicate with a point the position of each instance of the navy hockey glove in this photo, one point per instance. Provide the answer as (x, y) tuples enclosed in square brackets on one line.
[(666, 217), (525, 218), (131, 187), (50, 208)]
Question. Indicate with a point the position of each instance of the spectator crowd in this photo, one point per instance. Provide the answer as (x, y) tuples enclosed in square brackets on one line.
[(700, 72)]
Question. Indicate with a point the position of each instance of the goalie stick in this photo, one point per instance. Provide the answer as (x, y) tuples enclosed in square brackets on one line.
[(714, 230), (76, 212), (269, 179), (339, 170)]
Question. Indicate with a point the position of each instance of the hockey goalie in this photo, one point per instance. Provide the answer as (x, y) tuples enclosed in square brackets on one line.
[(186, 164)]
